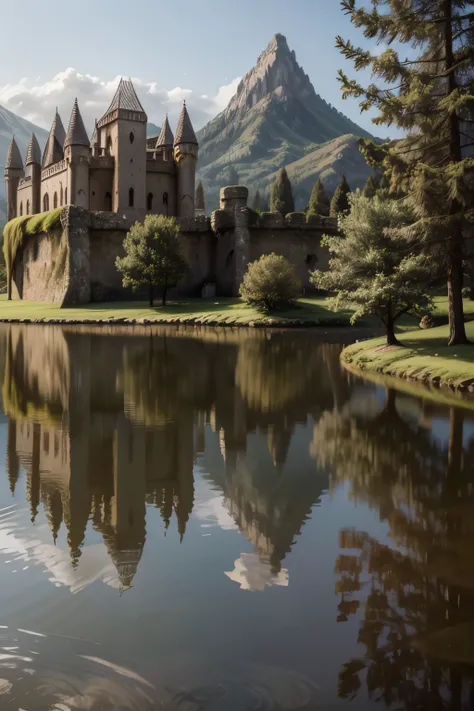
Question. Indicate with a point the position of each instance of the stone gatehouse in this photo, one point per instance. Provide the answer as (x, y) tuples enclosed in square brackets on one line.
[(75, 263)]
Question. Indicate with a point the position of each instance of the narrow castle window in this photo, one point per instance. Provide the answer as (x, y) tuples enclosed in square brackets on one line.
[(61, 196), (131, 197), (21, 209), (27, 207), (108, 146), (45, 202), (131, 136), (55, 200), (108, 202), (149, 202), (65, 196)]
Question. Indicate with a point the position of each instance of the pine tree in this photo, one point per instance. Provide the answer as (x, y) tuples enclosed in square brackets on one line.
[(370, 187), (319, 201), (430, 96), (232, 175), (257, 202), (340, 199), (200, 201), (371, 269), (281, 195)]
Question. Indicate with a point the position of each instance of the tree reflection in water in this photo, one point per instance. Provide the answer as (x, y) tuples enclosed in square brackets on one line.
[(417, 591)]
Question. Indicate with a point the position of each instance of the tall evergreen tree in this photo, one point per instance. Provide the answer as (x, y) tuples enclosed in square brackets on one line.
[(319, 201), (340, 199), (281, 195), (370, 187), (257, 202), (232, 175), (430, 96), (200, 201)]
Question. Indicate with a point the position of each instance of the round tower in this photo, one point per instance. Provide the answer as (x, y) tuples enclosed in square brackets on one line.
[(185, 154), (77, 152), (13, 173), (33, 170)]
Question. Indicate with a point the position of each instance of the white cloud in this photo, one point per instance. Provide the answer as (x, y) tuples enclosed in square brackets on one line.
[(37, 99)]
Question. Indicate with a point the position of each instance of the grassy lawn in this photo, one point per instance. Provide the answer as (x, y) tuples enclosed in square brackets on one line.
[(425, 357), (224, 311)]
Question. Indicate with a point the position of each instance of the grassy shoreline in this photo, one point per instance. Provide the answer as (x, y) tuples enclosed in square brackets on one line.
[(424, 357)]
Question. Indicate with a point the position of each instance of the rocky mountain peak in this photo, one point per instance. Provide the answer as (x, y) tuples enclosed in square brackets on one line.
[(276, 72)]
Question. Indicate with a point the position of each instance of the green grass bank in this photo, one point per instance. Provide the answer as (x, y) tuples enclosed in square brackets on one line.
[(424, 356), (215, 312)]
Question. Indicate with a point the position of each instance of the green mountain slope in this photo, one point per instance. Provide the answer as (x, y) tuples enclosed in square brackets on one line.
[(275, 119)]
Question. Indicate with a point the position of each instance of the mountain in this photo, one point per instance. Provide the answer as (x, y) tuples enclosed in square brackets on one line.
[(276, 118)]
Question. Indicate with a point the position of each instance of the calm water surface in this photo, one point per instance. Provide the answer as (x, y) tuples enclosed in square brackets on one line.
[(207, 521)]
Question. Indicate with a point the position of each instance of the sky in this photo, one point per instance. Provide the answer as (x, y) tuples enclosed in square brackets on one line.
[(53, 51)]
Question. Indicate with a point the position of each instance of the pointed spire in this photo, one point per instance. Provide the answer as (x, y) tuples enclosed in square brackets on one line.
[(166, 137), (33, 154), (185, 131), (13, 159), (125, 98), (54, 149), (76, 132)]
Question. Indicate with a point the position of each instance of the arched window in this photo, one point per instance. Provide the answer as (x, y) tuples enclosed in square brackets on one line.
[(131, 136), (165, 198), (108, 146), (108, 202), (27, 207), (55, 201), (131, 197), (61, 196), (65, 196), (21, 209), (149, 202), (45, 202)]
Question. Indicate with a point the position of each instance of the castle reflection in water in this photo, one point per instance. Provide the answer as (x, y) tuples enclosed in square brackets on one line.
[(104, 425)]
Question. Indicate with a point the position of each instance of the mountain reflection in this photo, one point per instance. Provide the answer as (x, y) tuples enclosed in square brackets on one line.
[(104, 426), (413, 593)]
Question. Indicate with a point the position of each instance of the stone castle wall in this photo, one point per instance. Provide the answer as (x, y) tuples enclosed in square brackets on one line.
[(76, 263)]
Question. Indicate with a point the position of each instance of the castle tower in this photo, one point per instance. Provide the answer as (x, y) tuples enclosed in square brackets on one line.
[(123, 135), (33, 170), (165, 140), (54, 148), (13, 172), (76, 153), (95, 141), (186, 155)]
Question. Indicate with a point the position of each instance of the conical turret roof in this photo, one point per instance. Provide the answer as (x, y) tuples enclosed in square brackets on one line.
[(33, 153), (54, 149), (125, 98), (13, 159), (76, 132), (166, 137), (185, 131)]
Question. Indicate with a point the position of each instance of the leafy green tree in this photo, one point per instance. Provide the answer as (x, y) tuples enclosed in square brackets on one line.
[(200, 201), (429, 96), (152, 256), (340, 199), (257, 202), (281, 195), (370, 187), (319, 201), (270, 283), (371, 267)]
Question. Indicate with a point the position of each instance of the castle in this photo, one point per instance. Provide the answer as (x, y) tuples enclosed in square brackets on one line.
[(118, 170)]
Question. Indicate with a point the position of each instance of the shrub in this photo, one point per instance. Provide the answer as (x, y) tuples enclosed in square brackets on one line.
[(270, 283)]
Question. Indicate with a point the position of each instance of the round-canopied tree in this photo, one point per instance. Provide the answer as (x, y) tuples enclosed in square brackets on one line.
[(372, 268), (153, 256), (340, 199), (270, 283), (281, 195), (319, 201)]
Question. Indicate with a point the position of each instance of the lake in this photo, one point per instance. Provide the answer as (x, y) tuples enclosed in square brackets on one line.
[(207, 520)]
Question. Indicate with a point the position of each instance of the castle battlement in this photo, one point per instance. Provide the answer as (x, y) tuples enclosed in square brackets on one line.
[(118, 170)]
